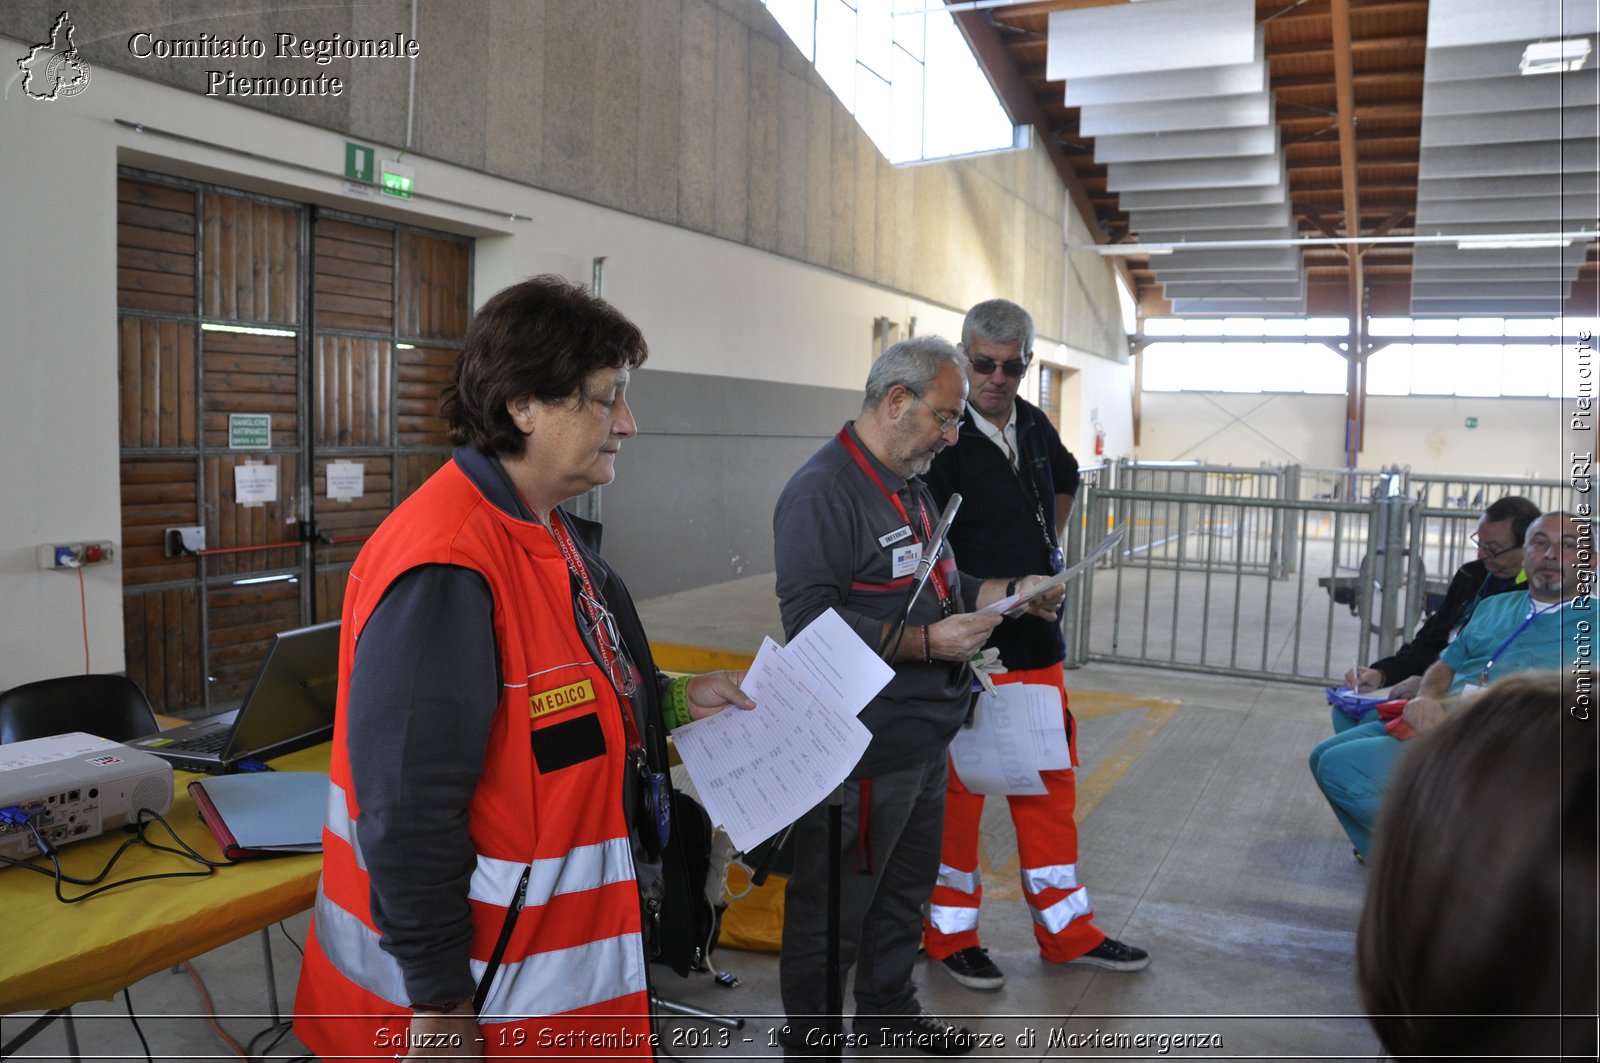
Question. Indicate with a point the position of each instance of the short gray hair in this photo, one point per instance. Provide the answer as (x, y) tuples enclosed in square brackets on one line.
[(999, 320), (912, 364)]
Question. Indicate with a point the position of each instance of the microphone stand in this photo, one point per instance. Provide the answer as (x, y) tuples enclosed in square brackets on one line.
[(930, 557)]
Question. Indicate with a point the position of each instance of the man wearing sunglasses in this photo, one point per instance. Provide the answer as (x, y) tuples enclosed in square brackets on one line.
[(1496, 569), (849, 532), (1017, 482)]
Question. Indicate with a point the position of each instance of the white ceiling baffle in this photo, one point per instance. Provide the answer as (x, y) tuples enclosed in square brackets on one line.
[(1510, 111), (1175, 93)]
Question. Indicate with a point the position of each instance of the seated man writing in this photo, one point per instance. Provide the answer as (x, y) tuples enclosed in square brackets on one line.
[(1509, 633), (1496, 570)]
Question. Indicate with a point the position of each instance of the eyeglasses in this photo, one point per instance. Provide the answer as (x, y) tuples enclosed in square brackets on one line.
[(986, 366), (602, 627), (946, 424), (1490, 552)]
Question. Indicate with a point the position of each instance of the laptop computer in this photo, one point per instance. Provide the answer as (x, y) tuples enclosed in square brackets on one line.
[(289, 707)]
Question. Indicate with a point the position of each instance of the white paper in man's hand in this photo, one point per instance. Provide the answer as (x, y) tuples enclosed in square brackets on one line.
[(759, 771)]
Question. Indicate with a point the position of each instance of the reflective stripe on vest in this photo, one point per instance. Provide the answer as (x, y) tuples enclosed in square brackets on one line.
[(1051, 877), (1055, 918), (546, 983), (960, 881), (562, 980), (337, 820), (585, 867), (954, 919)]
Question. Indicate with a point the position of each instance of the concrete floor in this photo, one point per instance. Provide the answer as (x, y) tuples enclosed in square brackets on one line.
[(1203, 840)]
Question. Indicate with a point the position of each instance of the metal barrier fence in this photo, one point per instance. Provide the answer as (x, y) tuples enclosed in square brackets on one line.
[(1158, 528), (1269, 572)]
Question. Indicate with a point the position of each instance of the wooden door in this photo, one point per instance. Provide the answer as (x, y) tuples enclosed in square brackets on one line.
[(256, 332)]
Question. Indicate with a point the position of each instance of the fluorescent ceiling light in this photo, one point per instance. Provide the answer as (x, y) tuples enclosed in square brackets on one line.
[(1502, 243), (1553, 57), (217, 326)]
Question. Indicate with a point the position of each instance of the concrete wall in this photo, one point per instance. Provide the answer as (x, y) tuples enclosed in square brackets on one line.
[(697, 113), (760, 336)]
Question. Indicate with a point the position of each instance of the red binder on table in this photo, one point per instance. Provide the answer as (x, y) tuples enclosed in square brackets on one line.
[(265, 813)]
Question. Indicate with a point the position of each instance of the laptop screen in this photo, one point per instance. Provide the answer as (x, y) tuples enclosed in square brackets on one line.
[(295, 689)]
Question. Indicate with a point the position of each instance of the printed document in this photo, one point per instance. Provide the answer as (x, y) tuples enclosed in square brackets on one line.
[(1016, 732), (759, 771)]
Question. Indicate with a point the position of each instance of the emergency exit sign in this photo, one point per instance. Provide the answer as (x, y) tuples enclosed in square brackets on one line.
[(1472, 422), (249, 431), (359, 161)]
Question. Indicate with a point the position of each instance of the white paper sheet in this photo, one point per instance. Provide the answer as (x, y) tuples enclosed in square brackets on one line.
[(254, 485), (759, 771), (1000, 752), (1016, 601), (1049, 727)]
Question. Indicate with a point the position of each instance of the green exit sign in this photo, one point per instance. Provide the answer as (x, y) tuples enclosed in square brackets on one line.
[(358, 161), (1472, 422), (397, 179)]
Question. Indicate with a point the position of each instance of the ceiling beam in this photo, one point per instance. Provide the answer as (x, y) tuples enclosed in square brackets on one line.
[(1319, 10), (1306, 49)]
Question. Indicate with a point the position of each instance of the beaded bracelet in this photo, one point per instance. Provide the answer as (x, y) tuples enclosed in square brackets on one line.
[(927, 653)]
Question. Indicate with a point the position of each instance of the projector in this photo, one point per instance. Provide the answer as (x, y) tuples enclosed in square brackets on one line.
[(75, 786)]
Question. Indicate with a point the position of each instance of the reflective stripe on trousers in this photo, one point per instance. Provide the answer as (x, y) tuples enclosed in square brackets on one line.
[(952, 919), (1055, 918), (961, 881), (1036, 880)]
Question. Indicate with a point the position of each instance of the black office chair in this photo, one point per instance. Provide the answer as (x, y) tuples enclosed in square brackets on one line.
[(107, 706)]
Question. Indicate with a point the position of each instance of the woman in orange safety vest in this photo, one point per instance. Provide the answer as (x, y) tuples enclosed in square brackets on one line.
[(498, 811)]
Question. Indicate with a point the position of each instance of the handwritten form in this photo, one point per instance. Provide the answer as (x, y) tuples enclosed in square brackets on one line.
[(1016, 733), (759, 771)]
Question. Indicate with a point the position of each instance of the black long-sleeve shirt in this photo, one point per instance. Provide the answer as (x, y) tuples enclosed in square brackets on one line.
[(1471, 584)]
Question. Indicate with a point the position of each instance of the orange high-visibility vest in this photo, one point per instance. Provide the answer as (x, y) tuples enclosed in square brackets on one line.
[(571, 976)]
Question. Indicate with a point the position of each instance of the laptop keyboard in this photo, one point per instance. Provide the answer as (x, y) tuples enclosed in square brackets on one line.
[(206, 743)]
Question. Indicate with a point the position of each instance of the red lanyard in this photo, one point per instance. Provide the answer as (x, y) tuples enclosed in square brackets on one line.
[(941, 585), (590, 603)]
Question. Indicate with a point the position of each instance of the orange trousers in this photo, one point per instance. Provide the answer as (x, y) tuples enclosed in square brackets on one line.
[(1047, 845)]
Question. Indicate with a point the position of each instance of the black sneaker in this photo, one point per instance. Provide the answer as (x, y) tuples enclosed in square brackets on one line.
[(974, 969), (924, 1032), (1113, 955)]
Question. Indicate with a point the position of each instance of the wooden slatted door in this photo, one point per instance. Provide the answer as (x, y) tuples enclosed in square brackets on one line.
[(259, 341), (391, 310)]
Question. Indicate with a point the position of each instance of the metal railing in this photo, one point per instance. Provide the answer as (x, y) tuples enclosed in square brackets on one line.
[(1276, 573)]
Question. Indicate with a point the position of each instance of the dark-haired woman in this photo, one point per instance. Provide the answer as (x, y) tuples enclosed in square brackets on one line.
[(492, 855)]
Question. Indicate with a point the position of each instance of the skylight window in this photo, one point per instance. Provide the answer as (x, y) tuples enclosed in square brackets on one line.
[(904, 70)]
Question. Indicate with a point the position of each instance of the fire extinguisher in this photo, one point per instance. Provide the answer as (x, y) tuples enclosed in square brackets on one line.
[(1099, 440)]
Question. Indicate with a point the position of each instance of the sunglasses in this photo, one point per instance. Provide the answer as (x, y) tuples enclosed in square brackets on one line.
[(1014, 368)]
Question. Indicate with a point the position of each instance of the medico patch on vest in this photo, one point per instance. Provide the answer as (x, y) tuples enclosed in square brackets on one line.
[(568, 697)]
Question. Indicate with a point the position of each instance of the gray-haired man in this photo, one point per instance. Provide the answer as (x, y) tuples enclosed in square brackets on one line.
[(849, 530)]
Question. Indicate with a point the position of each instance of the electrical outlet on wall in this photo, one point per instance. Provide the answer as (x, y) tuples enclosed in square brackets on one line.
[(62, 556)]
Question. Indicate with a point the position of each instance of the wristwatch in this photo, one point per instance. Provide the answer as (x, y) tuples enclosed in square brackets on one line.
[(1011, 587), (433, 1009)]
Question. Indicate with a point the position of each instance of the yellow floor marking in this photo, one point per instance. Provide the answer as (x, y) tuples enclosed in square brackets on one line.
[(677, 657), (1002, 881)]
